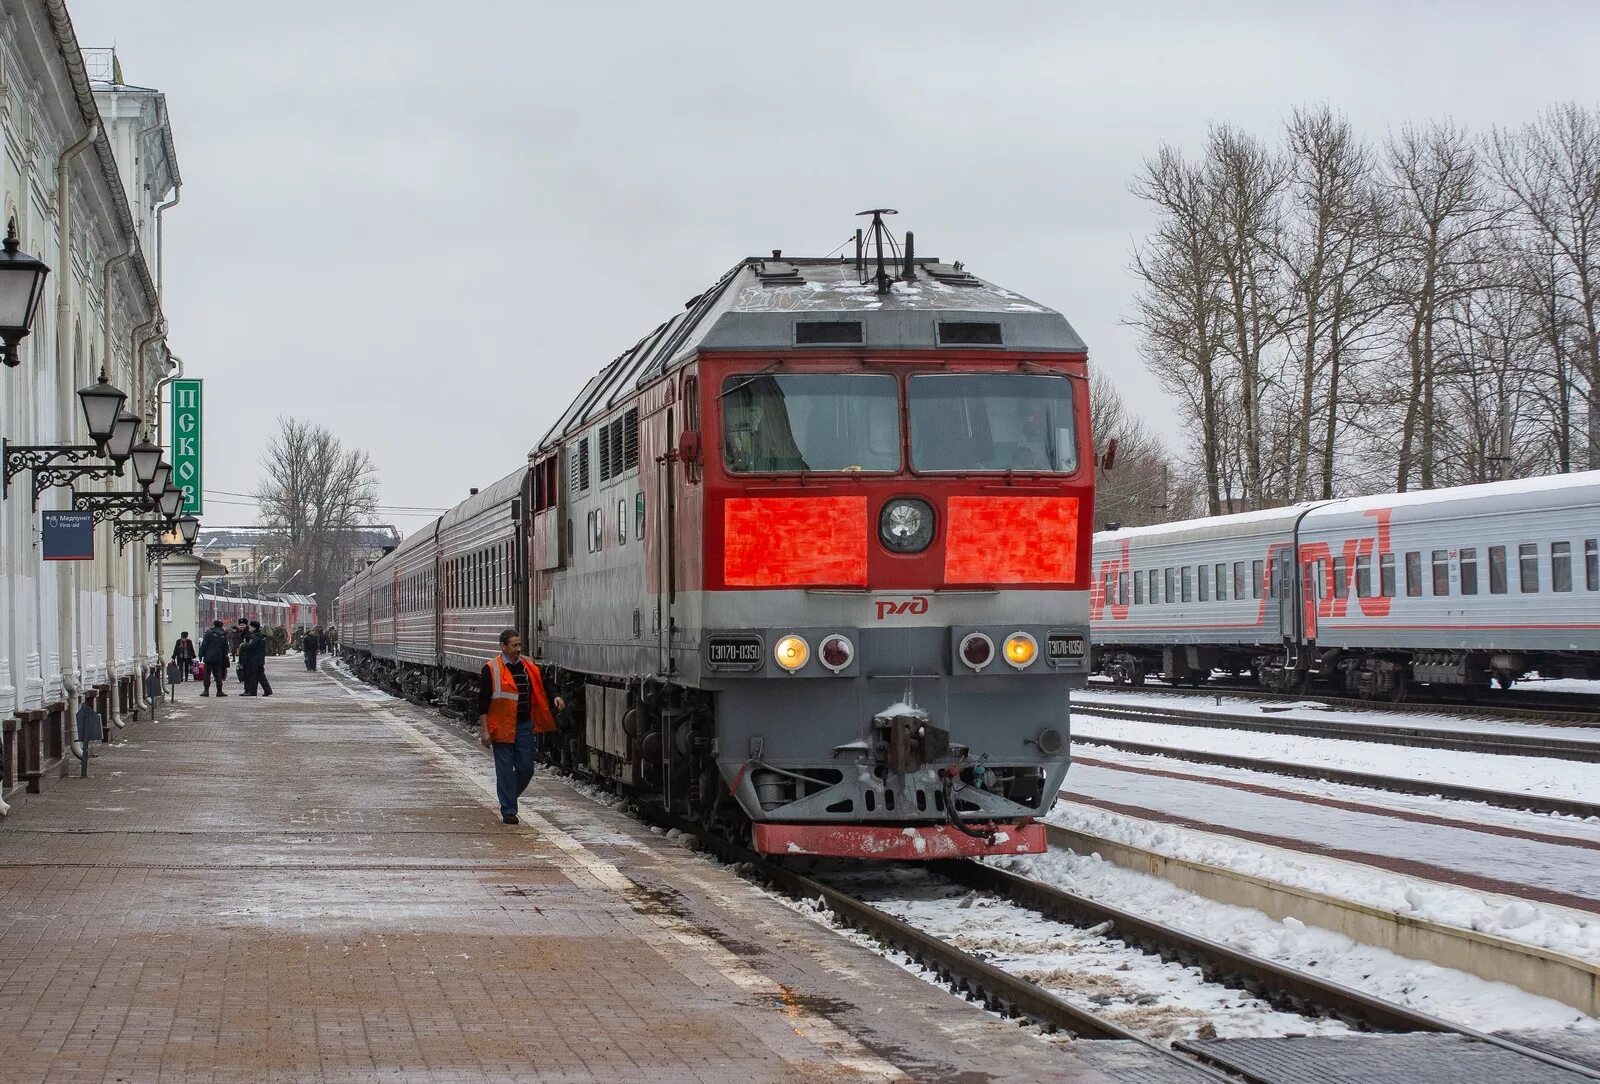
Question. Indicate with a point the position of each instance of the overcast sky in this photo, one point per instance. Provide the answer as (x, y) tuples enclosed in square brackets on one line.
[(424, 225)]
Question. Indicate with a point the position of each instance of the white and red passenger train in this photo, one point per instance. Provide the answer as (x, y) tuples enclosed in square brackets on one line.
[(810, 561), (1446, 587)]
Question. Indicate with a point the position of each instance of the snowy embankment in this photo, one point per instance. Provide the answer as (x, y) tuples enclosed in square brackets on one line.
[(1425, 987), (1523, 775), (1559, 929)]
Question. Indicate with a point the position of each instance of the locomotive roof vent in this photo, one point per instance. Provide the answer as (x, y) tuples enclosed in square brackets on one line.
[(826, 332), (778, 273), (968, 333)]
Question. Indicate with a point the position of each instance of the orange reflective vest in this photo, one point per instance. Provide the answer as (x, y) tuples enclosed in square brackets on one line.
[(502, 716)]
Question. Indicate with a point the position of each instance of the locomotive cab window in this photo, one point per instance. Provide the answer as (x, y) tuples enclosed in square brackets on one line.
[(792, 422), (992, 422)]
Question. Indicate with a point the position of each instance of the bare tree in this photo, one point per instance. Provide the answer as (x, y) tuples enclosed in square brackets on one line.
[(1442, 209), (1179, 307), (1551, 170), (315, 497), (1136, 490)]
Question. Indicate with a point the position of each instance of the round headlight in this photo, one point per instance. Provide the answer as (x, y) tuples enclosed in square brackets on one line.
[(977, 650), (1021, 649), (836, 652), (791, 652), (906, 525)]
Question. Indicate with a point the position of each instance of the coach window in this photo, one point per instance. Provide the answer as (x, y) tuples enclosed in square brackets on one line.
[(1170, 593), (1469, 570), (1122, 588), (1138, 589), (1222, 582), (1386, 574), (1561, 566), (992, 422), (1497, 570), (791, 422), (1187, 575), (1257, 574), (1591, 564), (1239, 586), (1363, 575), (1528, 562), (1341, 577), (1203, 575), (1155, 586), (1413, 574), (1441, 572)]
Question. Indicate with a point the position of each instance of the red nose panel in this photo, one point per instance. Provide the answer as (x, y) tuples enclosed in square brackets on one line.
[(795, 542), (990, 540)]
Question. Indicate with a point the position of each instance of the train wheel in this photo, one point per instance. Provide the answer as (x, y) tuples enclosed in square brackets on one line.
[(1402, 688)]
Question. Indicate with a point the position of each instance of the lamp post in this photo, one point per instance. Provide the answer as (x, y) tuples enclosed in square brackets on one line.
[(21, 288)]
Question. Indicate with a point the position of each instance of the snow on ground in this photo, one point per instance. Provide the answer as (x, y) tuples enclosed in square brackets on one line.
[(1521, 775), (356, 687), (1537, 684), (1138, 990), (1554, 866), (1316, 712), (1560, 929), (1453, 995), (1558, 824)]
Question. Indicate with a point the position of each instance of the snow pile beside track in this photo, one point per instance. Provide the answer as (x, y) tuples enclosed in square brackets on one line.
[(1546, 926), (1426, 987)]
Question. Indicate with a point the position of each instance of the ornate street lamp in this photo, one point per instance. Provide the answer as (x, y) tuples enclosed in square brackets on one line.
[(21, 288), (158, 483), (146, 458), (102, 404), (189, 528), (171, 501)]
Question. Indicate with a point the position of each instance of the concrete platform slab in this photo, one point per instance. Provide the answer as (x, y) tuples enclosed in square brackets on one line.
[(316, 886)]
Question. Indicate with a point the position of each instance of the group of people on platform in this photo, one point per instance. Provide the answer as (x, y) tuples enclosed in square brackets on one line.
[(245, 646)]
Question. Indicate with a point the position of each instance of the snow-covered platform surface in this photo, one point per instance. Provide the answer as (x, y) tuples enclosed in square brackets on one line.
[(317, 886)]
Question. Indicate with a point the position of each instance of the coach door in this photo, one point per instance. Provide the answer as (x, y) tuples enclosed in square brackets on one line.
[(1287, 598)]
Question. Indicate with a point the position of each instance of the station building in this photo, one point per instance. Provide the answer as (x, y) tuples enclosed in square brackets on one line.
[(90, 170)]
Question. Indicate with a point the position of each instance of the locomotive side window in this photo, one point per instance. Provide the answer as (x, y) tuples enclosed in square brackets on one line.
[(1528, 566), (1363, 575), (1258, 572), (1441, 572), (1561, 566), (1469, 570), (1413, 574), (1386, 574), (992, 422), (778, 423), (1591, 564), (1497, 570)]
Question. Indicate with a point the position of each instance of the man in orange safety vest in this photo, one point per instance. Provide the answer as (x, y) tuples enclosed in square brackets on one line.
[(512, 712)]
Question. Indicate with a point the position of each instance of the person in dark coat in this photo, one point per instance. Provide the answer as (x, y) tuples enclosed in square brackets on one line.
[(184, 654), (253, 662), (236, 639), (214, 654), (311, 643)]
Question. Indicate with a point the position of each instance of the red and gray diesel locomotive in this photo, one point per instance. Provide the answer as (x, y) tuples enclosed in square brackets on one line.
[(810, 562)]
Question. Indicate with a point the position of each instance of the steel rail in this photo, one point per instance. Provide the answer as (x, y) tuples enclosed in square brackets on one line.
[(1532, 803), (1498, 709), (1520, 745)]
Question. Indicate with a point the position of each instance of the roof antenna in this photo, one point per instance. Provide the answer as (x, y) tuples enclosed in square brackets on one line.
[(910, 273), (861, 259), (882, 277)]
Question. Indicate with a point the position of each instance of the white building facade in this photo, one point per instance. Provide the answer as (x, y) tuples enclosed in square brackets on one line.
[(89, 167)]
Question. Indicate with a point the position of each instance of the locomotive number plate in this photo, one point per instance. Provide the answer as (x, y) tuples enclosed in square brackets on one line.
[(734, 653), (1065, 649)]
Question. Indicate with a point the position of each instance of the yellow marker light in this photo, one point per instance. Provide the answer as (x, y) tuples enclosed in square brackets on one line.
[(791, 652), (1021, 649)]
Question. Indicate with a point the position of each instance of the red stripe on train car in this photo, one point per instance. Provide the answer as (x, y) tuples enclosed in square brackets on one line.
[(992, 540), (794, 542), (884, 842)]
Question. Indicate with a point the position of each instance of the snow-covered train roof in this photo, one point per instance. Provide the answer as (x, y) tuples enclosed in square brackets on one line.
[(759, 303)]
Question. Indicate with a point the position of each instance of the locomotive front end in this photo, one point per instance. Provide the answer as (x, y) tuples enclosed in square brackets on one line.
[(896, 567)]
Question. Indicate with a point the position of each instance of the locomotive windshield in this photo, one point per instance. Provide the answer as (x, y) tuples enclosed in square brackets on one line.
[(775, 423), (992, 422)]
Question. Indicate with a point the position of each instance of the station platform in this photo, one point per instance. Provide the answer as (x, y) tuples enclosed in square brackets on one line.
[(317, 886)]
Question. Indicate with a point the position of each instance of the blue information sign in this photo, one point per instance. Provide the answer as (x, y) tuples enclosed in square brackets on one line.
[(68, 536)]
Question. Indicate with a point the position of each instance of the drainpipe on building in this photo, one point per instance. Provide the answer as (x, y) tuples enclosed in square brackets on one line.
[(174, 372), (138, 341), (161, 235), (113, 712), (67, 571)]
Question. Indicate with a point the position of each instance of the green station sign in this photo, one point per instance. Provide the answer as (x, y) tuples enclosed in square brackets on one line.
[(186, 472)]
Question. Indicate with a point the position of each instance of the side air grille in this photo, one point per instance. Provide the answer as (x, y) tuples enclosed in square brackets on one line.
[(816, 332), (968, 333), (580, 466), (630, 439)]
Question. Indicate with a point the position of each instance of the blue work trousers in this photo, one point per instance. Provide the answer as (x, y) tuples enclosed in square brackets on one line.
[(513, 767)]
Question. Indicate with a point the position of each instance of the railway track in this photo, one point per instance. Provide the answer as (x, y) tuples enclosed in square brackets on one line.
[(1466, 741), (1573, 710)]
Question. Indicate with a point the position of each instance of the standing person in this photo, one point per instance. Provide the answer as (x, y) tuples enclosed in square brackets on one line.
[(236, 636), (512, 711), (184, 654), (311, 643), (253, 661), (214, 654)]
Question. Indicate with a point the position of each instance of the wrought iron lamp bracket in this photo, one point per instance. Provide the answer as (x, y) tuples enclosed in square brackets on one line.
[(130, 529), (159, 550), (45, 477), (43, 457)]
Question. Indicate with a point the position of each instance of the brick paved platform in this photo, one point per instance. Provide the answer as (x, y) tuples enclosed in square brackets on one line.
[(316, 886)]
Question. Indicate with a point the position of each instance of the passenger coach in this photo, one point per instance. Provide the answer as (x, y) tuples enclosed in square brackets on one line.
[(810, 562)]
